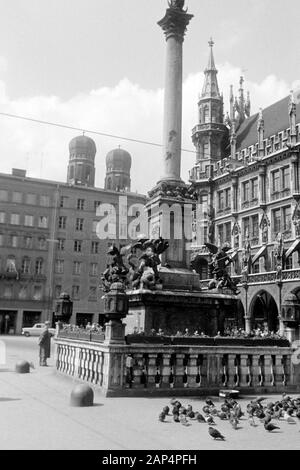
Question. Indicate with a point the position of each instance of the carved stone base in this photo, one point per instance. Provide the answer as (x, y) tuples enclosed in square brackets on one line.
[(114, 332)]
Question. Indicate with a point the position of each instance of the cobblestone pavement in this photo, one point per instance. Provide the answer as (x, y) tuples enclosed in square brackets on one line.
[(35, 414)]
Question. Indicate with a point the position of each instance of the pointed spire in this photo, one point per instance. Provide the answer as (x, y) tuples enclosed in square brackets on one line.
[(248, 105), (211, 88), (231, 100), (211, 61)]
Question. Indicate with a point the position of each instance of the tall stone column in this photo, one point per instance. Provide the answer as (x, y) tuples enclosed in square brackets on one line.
[(174, 26)]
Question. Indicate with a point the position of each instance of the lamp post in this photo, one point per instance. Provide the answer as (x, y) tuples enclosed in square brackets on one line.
[(63, 310)]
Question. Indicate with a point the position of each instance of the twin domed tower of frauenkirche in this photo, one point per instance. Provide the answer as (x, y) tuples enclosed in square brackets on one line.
[(81, 168)]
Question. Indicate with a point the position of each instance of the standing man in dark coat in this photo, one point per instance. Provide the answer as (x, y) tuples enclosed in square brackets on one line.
[(45, 344)]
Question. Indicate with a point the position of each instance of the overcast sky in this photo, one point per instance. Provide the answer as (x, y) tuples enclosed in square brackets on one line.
[(99, 64)]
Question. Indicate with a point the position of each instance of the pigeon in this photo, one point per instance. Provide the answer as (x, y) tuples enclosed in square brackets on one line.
[(290, 420), (215, 434), (166, 410), (270, 427), (190, 414), (161, 417), (209, 402), (234, 422), (182, 410), (214, 411), (209, 419), (222, 415), (183, 420), (201, 418), (267, 419), (176, 418), (206, 409)]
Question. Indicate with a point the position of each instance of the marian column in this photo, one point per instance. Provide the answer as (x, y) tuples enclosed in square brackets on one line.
[(170, 204), (174, 26)]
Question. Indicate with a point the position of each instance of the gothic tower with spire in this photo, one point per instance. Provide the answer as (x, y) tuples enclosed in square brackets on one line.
[(209, 135)]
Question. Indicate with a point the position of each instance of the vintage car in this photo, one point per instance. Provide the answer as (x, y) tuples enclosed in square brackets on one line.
[(36, 330)]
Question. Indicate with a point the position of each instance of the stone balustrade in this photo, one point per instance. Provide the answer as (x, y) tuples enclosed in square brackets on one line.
[(147, 368)]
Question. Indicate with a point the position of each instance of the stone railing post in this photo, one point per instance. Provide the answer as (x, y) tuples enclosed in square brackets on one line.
[(268, 370), (179, 370), (255, 370), (152, 369), (192, 370), (244, 370), (166, 370), (278, 370), (231, 369)]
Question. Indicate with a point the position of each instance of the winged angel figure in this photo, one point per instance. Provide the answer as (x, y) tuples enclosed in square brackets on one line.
[(220, 262)]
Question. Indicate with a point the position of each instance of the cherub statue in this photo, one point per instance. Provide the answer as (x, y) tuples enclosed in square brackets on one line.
[(145, 273), (220, 263), (116, 271), (176, 4)]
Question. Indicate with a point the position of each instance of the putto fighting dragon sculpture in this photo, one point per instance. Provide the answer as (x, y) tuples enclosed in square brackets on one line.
[(143, 260)]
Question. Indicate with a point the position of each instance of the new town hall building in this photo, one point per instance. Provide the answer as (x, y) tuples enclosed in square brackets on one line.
[(48, 239), (247, 178)]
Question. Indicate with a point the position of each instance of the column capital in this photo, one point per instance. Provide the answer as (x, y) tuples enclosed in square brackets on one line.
[(174, 23)]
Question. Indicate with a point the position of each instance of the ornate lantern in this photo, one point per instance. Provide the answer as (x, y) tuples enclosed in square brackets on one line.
[(63, 308)]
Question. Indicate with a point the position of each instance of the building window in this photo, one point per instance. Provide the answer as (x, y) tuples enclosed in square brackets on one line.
[(8, 292), (289, 263), (254, 188), (14, 241), (93, 293), (28, 221), (2, 217), (79, 224), (94, 269), (255, 267), (77, 267), (246, 191), (246, 228), (61, 244), (15, 219), (16, 197), (62, 221), (39, 266), (31, 199), (42, 221), (221, 234), (95, 224), (42, 243), (227, 198), (286, 219), (286, 181), (11, 265), (3, 195), (96, 205), (228, 232), (59, 266), (37, 293), (23, 292), (25, 268), (221, 200), (75, 292), (95, 247), (80, 204), (275, 181), (58, 289), (254, 228), (77, 245), (45, 201), (28, 242), (276, 221)]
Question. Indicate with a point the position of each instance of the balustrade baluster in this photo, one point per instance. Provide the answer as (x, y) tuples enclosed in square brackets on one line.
[(192, 370), (255, 370), (152, 369), (268, 369), (244, 370)]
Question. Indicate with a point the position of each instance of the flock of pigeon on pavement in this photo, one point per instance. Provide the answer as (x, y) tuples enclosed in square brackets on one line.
[(257, 411)]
